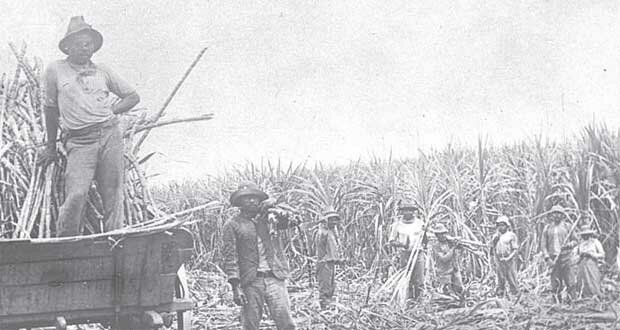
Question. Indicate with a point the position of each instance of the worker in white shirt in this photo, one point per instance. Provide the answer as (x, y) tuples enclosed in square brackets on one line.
[(407, 234)]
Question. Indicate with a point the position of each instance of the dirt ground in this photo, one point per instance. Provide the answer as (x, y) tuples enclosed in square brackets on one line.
[(533, 309)]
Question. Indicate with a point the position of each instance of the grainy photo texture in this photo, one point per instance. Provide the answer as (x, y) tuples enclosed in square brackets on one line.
[(359, 165)]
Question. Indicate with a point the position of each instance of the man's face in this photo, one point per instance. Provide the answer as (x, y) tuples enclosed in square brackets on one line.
[(81, 48), (502, 228), (441, 237), (407, 214), (332, 222), (249, 204), (556, 217)]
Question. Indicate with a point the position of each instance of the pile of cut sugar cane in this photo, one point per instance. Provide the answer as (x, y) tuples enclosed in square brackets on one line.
[(31, 193)]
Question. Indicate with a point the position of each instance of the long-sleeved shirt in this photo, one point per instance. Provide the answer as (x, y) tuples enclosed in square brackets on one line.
[(407, 233), (241, 251), (554, 236), (326, 245)]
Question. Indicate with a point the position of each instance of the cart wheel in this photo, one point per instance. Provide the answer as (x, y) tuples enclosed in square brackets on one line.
[(184, 320), (61, 323)]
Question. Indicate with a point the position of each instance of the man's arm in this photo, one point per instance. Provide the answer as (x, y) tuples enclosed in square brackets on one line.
[(231, 264), (126, 103), (444, 257), (285, 219), (320, 241), (599, 252), (51, 126), (393, 237), (514, 244), (573, 238), (332, 248), (494, 241), (51, 112), (545, 251), (229, 254), (117, 85)]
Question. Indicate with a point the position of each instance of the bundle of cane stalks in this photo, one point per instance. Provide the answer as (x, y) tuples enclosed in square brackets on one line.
[(32, 192)]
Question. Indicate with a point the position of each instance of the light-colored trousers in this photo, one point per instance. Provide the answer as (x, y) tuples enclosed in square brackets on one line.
[(325, 275), (93, 153), (268, 290)]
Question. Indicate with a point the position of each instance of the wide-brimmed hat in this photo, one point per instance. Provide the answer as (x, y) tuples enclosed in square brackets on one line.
[(587, 230), (408, 206), (557, 209), (440, 229), (330, 216), (330, 213), (502, 219), (77, 25), (247, 189)]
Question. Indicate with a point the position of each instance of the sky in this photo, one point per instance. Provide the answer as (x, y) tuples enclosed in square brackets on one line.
[(334, 81)]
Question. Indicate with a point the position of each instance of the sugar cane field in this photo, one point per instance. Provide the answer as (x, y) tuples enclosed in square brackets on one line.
[(464, 188)]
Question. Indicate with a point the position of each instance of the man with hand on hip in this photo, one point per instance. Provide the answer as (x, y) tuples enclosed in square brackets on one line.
[(83, 99)]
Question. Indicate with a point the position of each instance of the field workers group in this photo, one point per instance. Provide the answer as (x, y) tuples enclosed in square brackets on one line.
[(83, 99), (257, 267)]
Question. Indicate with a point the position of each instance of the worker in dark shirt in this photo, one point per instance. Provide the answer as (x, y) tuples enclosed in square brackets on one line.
[(254, 259)]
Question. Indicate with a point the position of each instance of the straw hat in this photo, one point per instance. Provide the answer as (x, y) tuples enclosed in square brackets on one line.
[(408, 206), (440, 229), (557, 208), (587, 230), (78, 25), (502, 219), (330, 213), (330, 216), (247, 189)]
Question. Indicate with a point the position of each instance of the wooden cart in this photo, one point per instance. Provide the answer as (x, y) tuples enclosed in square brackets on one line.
[(133, 281)]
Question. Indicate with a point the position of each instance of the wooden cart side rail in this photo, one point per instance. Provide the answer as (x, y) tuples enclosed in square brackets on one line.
[(103, 315), (136, 273)]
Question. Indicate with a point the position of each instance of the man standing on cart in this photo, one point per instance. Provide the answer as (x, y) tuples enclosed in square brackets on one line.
[(83, 98), (254, 259)]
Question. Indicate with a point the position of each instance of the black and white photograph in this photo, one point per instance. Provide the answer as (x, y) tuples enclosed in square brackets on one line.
[(345, 165)]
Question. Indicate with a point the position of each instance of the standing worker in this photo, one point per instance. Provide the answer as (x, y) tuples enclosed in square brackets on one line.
[(328, 256), (557, 245), (591, 253), (83, 99), (504, 249), (446, 262), (254, 260), (408, 234)]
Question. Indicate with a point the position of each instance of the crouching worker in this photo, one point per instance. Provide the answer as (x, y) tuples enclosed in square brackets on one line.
[(446, 262), (328, 256), (254, 259)]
